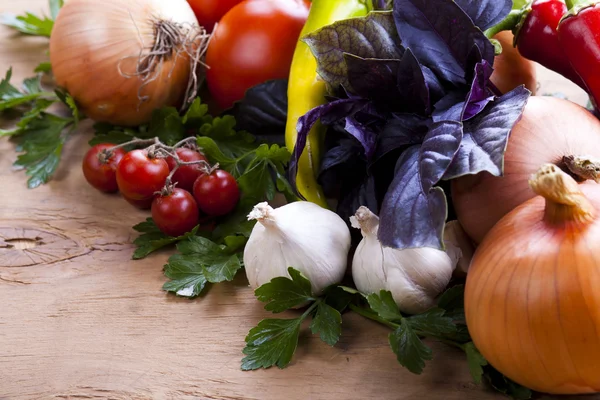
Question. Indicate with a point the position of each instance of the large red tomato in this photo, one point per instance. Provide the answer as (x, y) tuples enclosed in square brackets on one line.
[(209, 12), (253, 43)]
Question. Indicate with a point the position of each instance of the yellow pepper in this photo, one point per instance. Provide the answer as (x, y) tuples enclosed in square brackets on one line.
[(306, 91)]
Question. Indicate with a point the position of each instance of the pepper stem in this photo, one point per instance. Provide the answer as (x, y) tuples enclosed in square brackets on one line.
[(564, 200), (507, 24), (574, 6)]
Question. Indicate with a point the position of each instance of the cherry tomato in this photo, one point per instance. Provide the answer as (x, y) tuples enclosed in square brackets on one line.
[(217, 194), (175, 213), (140, 176), (186, 175), (253, 43), (100, 166), (209, 12), (143, 204)]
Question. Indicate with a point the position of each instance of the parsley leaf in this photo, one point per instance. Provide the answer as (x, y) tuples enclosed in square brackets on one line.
[(283, 293), (69, 101), (476, 361), (31, 24), (327, 322), (257, 181), (196, 115), (200, 261), (43, 67), (409, 349), (41, 144), (433, 322), (231, 142), (384, 305), (166, 125), (153, 239), (186, 278), (11, 97), (271, 342), (505, 385), (106, 133), (452, 300)]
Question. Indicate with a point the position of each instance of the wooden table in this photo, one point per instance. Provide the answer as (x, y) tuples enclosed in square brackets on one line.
[(80, 320)]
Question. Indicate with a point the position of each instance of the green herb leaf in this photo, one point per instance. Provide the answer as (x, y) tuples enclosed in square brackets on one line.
[(327, 322), (257, 181), (504, 385), (385, 306), (196, 115), (29, 24), (41, 144), (69, 101), (11, 97), (232, 143), (186, 277), (476, 361), (272, 342), (453, 300), (339, 297), (44, 67), (211, 149), (166, 125), (236, 223), (153, 239), (219, 263), (106, 133), (410, 351), (55, 6), (433, 322), (283, 293)]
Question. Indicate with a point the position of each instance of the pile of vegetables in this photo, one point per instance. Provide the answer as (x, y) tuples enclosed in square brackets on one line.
[(387, 158)]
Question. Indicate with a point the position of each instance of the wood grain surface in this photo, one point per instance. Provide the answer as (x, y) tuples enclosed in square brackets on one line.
[(80, 320)]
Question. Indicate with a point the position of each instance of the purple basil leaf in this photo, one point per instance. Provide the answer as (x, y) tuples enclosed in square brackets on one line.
[(374, 79), (458, 106), (450, 107), (486, 136), (373, 36), (436, 89), (441, 35), (414, 211), (328, 113), (486, 13), (364, 134), (480, 95), (403, 130), (263, 110), (412, 85)]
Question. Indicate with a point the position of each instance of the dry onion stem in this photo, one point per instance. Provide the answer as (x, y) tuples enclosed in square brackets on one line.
[(171, 39)]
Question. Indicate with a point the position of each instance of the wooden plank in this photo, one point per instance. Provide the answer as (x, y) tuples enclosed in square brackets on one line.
[(80, 319)]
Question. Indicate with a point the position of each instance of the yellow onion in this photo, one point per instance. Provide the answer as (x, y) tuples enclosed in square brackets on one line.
[(120, 60), (550, 130), (532, 302)]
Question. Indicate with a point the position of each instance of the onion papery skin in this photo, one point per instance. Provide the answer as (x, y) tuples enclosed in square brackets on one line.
[(532, 299), (91, 37), (549, 129)]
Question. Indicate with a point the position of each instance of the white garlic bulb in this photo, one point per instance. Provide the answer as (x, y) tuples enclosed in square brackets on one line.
[(415, 277), (302, 235)]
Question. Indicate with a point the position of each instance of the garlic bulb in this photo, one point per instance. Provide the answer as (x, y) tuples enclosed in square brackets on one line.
[(455, 237), (415, 277), (302, 235)]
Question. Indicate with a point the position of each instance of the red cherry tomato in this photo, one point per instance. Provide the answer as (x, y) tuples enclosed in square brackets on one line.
[(217, 194), (253, 43), (143, 204), (100, 166), (140, 176), (209, 12), (175, 213), (186, 175)]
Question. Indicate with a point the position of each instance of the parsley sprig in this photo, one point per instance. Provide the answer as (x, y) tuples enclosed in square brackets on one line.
[(273, 341)]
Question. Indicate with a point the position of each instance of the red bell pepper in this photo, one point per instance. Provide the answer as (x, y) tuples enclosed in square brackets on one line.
[(536, 37), (579, 36)]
